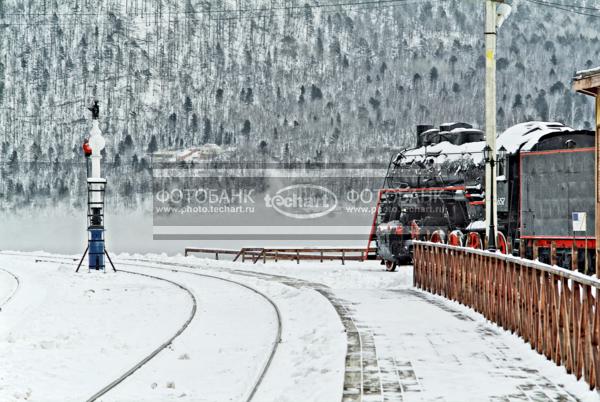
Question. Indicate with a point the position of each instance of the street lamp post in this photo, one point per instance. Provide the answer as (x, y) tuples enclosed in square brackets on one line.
[(496, 13), (490, 116), (490, 162)]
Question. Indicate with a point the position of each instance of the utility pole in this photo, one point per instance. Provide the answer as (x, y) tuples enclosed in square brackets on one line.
[(491, 214), (588, 82)]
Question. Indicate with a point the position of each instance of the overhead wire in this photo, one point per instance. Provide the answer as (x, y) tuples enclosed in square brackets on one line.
[(246, 13), (569, 5), (222, 11), (563, 8)]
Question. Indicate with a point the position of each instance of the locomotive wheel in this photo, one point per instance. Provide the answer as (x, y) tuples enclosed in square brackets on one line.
[(390, 266), (438, 237), (474, 240), (455, 238), (501, 243)]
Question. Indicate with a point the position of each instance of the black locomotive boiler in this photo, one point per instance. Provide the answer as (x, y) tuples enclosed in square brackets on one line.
[(436, 192)]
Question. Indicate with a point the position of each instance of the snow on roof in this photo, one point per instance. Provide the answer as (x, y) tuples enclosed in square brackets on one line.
[(462, 130), (446, 151), (579, 75), (523, 136)]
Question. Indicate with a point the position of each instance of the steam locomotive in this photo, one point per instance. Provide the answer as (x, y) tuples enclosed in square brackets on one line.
[(436, 192)]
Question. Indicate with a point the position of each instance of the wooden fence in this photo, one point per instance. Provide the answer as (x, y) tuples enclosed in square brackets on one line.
[(256, 254), (215, 251), (557, 311)]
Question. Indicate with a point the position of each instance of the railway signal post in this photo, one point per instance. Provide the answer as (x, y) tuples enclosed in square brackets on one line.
[(588, 82), (96, 186)]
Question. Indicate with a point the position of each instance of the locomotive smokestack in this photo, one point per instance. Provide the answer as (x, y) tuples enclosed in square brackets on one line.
[(421, 128)]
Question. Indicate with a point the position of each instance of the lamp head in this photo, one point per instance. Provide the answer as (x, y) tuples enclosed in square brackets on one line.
[(96, 141), (502, 152), (486, 152), (502, 12)]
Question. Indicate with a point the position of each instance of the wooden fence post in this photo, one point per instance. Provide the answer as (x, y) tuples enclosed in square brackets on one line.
[(522, 248)]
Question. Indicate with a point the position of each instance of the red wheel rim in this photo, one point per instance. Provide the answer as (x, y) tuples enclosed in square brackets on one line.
[(438, 236), (502, 244), (455, 238), (474, 240)]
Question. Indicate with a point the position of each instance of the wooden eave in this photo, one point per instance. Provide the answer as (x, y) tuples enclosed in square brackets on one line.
[(589, 85)]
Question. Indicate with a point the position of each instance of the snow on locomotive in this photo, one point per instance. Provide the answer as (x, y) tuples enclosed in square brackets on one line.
[(545, 173)]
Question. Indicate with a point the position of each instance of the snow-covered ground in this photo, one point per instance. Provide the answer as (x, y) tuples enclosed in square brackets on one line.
[(440, 350), (64, 336), (61, 341), (227, 345)]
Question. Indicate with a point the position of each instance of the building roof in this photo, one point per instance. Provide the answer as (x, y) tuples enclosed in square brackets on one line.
[(587, 81), (587, 73)]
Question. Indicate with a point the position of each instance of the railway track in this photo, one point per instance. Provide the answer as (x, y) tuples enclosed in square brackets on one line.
[(15, 290), (364, 380), (156, 351), (275, 343), (141, 264)]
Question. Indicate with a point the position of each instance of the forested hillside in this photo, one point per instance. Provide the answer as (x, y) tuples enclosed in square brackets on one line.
[(288, 80)]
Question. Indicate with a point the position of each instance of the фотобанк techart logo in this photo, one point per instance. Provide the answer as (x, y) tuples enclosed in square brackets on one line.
[(302, 201), (252, 200)]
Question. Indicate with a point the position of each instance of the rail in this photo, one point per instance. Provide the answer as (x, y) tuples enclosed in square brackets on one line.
[(160, 348), (144, 264), (14, 291), (256, 254), (276, 341), (555, 310)]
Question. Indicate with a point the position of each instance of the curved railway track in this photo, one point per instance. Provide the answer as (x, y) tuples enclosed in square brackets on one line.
[(363, 380), (160, 348), (149, 264), (275, 343), (14, 292)]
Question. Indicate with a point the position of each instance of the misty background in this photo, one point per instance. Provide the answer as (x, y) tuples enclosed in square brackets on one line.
[(280, 81)]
